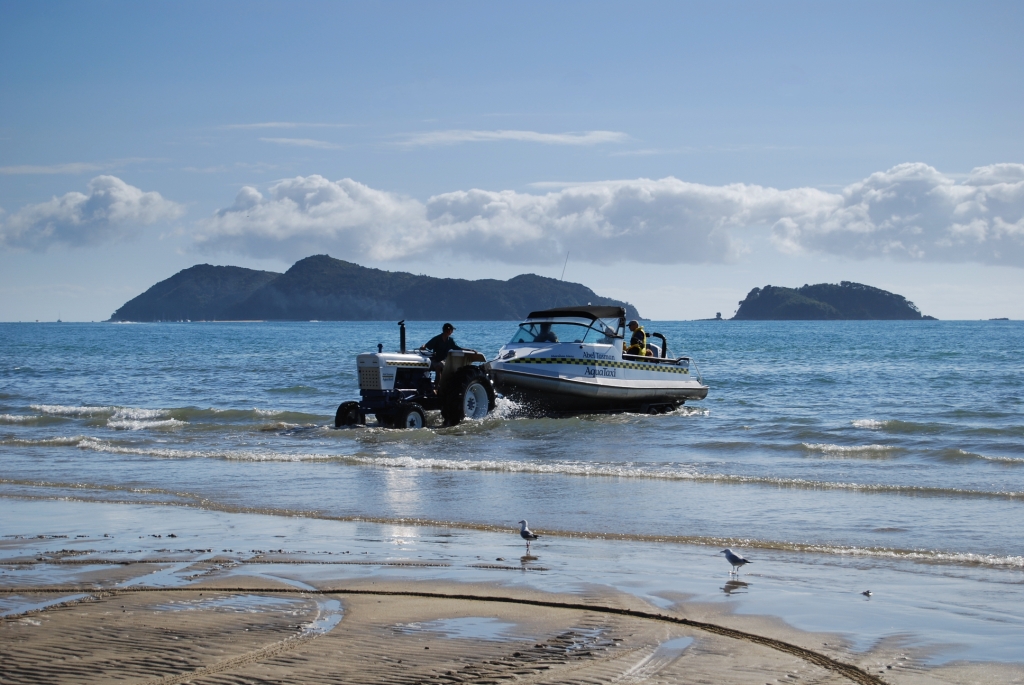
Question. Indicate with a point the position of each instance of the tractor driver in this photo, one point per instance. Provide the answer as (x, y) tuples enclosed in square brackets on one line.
[(440, 345), (637, 343)]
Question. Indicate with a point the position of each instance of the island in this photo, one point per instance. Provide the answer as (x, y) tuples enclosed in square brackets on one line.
[(323, 288), (827, 301)]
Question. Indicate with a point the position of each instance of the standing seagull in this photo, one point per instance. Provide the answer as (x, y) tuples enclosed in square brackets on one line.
[(735, 559), (526, 534)]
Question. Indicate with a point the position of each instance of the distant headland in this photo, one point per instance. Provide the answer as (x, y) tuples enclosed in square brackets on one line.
[(826, 301), (327, 289)]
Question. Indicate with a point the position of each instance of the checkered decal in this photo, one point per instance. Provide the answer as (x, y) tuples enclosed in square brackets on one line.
[(650, 366)]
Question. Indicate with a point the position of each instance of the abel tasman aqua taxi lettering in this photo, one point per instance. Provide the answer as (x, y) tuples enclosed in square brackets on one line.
[(571, 359)]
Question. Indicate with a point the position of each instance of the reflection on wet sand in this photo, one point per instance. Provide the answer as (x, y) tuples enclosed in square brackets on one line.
[(93, 547), (735, 587)]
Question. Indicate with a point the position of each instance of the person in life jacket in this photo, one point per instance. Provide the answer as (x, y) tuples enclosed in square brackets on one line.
[(638, 342)]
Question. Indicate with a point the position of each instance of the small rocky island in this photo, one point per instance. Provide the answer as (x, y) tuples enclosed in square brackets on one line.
[(826, 301), (326, 289)]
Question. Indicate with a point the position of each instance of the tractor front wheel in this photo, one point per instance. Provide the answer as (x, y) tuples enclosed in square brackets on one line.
[(410, 416)]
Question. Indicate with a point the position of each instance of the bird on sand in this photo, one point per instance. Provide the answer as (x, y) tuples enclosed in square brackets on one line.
[(735, 559), (527, 534)]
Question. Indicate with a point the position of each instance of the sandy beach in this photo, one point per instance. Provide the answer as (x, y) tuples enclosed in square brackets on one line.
[(114, 604)]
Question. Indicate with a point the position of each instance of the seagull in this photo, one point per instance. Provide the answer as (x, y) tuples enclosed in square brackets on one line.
[(735, 559), (526, 534)]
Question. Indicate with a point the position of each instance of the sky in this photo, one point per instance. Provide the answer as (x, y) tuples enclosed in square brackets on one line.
[(672, 154)]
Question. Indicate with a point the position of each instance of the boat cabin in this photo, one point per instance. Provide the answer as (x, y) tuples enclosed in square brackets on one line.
[(584, 325), (573, 325)]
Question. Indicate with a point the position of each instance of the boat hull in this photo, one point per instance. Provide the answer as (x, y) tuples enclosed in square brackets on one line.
[(581, 394)]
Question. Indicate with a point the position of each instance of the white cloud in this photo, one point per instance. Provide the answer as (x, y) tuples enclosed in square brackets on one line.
[(665, 221), (304, 142), (909, 212), (112, 210), (433, 138), (306, 215), (69, 168), (913, 211)]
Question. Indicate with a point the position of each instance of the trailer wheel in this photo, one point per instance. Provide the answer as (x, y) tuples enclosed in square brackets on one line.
[(349, 414), (471, 396), (410, 416)]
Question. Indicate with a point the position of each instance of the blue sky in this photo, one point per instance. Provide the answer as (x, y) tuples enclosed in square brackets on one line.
[(681, 153)]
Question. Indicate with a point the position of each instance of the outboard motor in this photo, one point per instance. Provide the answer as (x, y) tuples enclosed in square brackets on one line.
[(401, 335)]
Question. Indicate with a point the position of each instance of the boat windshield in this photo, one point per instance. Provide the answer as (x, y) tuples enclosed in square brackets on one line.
[(555, 332)]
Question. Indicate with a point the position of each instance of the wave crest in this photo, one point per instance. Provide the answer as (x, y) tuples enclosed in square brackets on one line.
[(74, 412), (849, 450)]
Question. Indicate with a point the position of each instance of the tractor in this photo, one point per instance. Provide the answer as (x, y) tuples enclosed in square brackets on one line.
[(397, 388)]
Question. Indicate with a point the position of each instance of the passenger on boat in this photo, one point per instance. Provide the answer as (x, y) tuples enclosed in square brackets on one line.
[(440, 345), (638, 342), (546, 334)]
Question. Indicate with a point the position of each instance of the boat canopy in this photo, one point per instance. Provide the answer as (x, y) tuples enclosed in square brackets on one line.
[(581, 312), (565, 331)]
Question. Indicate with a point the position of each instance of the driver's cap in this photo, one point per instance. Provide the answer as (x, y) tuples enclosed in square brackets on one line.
[(447, 327)]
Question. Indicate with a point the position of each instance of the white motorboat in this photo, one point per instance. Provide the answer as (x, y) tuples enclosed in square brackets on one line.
[(572, 359)]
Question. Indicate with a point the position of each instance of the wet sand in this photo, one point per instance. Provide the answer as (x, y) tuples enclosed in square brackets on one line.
[(97, 606), (256, 632)]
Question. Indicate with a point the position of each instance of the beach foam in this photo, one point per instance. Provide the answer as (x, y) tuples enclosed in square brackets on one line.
[(871, 424), (72, 411), (18, 418), (849, 450)]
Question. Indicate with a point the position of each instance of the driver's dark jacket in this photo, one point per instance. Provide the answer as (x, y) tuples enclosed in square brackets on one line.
[(439, 347)]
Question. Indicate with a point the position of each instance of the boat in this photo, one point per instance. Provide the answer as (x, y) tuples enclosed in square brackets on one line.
[(573, 360)]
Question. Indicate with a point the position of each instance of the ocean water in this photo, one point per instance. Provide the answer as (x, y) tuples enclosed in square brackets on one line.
[(876, 441)]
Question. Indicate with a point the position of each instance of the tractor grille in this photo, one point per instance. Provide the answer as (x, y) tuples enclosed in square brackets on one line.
[(369, 378)]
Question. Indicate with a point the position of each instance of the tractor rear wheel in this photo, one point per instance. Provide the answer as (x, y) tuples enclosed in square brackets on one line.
[(470, 396), (349, 414)]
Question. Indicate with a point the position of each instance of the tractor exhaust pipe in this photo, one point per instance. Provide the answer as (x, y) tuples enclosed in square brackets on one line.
[(401, 335)]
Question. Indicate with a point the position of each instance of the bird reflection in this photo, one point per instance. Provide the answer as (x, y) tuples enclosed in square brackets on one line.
[(736, 586), (525, 562)]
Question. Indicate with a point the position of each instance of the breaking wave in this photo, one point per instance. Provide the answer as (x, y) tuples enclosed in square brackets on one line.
[(59, 441), (664, 471), (72, 412), (957, 454), (19, 418), (850, 450), (871, 424), (135, 418), (138, 424)]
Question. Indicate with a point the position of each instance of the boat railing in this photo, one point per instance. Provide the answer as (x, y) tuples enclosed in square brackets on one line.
[(696, 371)]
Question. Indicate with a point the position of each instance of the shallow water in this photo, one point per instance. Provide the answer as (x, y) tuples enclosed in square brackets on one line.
[(471, 627), (867, 440), (937, 612)]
